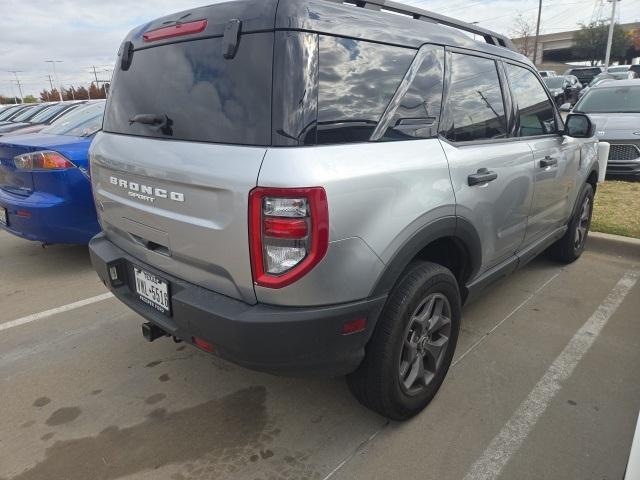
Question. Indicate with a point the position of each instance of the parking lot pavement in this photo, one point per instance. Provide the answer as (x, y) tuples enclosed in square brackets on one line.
[(84, 396)]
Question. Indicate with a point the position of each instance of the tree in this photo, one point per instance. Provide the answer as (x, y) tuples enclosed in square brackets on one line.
[(591, 42), (524, 35), (30, 99)]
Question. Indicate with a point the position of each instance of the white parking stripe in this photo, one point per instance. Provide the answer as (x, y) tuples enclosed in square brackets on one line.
[(54, 311), (516, 430)]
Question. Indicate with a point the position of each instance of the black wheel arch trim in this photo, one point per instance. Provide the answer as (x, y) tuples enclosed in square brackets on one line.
[(454, 227)]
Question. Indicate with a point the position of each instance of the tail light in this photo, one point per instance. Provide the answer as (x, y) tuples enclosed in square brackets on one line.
[(177, 30), (44, 160), (288, 233)]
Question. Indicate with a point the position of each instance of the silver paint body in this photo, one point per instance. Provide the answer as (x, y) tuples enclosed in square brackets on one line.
[(379, 195)]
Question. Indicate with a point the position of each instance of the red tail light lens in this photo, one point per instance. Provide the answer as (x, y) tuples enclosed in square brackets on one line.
[(289, 233), (177, 30), (44, 160)]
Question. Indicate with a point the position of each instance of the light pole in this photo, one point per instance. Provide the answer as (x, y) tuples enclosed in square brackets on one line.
[(55, 74), (15, 74), (611, 27), (535, 43)]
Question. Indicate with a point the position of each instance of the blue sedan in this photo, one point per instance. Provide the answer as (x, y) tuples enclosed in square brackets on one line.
[(45, 192)]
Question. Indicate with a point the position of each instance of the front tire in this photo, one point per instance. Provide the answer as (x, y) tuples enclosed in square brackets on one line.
[(569, 248), (413, 344)]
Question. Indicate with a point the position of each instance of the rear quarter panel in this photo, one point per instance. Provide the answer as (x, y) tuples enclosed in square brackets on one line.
[(379, 194)]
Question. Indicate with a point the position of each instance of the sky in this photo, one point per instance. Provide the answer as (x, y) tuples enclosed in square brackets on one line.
[(86, 33)]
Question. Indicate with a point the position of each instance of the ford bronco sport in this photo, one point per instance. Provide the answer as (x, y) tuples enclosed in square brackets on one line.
[(317, 186)]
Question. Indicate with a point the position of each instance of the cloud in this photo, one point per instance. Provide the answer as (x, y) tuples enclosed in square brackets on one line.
[(83, 33)]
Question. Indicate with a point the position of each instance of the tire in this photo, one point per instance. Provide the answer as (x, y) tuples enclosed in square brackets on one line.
[(569, 248), (410, 328)]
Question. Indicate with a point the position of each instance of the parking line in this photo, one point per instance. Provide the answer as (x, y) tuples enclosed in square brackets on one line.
[(54, 311), (524, 419)]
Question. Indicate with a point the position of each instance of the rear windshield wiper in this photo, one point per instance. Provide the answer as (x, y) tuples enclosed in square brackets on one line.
[(162, 122)]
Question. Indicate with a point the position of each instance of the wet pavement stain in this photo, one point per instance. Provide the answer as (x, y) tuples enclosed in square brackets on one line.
[(229, 424), (47, 436), (96, 392), (28, 424), (164, 377), (155, 398), (153, 364), (41, 402), (63, 415)]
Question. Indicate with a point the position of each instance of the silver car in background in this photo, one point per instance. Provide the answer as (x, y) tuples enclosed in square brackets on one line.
[(615, 109)]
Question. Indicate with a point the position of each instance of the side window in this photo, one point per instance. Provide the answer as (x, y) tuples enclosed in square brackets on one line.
[(475, 105), (357, 80), (418, 111), (536, 115)]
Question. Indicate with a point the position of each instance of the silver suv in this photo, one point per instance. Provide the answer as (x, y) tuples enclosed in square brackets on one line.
[(305, 186)]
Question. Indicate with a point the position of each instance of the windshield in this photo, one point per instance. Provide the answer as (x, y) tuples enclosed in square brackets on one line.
[(611, 100), (28, 113), (48, 113), (83, 121), (554, 82)]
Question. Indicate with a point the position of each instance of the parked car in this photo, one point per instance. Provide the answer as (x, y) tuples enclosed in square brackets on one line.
[(563, 89), (547, 73), (615, 109), (10, 112), (39, 121), (45, 193), (24, 115), (320, 203), (618, 69), (585, 74)]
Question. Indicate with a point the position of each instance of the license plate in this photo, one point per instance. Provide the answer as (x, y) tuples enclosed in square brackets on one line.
[(152, 290), (3, 216)]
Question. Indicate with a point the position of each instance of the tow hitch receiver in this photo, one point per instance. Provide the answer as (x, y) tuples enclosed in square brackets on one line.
[(152, 332)]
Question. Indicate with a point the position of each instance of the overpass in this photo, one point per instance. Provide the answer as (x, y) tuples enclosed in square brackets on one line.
[(555, 50)]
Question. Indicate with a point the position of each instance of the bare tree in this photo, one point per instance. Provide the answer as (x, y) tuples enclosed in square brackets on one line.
[(524, 33)]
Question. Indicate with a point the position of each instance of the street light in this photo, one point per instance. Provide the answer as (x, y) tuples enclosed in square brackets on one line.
[(55, 74), (610, 39)]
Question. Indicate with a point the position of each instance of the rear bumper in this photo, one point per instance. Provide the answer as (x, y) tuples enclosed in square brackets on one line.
[(286, 340), (48, 218)]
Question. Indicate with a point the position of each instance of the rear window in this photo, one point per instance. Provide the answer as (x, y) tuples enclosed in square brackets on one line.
[(357, 79), (624, 99), (203, 96)]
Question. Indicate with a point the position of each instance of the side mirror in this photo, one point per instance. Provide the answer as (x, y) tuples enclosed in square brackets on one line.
[(579, 125), (565, 107)]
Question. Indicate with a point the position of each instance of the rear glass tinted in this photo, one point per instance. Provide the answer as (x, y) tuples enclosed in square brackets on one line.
[(357, 79), (7, 112), (28, 113), (48, 113), (475, 104), (418, 113), (203, 96)]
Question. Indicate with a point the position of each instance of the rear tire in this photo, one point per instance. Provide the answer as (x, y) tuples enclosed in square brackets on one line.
[(569, 248), (413, 344)]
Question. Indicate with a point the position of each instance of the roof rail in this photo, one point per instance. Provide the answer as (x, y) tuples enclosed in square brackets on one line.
[(491, 37)]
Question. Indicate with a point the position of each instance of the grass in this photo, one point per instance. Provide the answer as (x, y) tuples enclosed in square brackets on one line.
[(617, 209)]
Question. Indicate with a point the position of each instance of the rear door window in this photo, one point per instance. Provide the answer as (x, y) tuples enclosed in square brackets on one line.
[(200, 95), (418, 112), (536, 114), (475, 104), (357, 80)]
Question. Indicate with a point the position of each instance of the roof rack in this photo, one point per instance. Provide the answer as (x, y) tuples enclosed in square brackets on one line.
[(491, 37)]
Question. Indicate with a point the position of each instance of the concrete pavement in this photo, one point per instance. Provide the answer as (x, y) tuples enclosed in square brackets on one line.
[(83, 396)]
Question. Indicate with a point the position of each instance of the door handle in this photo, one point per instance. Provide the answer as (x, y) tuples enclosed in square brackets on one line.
[(484, 175), (548, 162)]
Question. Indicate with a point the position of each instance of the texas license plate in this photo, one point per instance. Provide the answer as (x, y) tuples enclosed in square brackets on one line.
[(3, 216), (152, 290)]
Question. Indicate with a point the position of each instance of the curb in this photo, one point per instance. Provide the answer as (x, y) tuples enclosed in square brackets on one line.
[(615, 245)]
